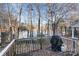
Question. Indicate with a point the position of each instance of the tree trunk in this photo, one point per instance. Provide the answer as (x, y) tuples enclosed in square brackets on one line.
[(54, 28), (61, 30), (65, 30), (38, 26), (48, 28)]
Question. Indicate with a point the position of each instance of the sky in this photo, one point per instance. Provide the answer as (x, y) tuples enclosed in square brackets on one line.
[(25, 12)]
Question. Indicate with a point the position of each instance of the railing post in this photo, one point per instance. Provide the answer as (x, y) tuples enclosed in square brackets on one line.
[(8, 50), (75, 45)]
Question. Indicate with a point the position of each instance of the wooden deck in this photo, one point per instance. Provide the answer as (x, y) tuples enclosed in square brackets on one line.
[(42, 52), (45, 52)]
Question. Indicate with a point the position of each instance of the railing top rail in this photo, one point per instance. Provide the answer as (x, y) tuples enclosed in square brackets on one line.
[(33, 38), (67, 38), (7, 47), (70, 38)]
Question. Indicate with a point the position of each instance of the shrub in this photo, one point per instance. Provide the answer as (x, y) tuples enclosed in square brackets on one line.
[(56, 42)]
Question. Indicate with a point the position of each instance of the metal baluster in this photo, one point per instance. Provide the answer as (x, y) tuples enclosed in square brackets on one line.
[(16, 47), (26, 46), (21, 46), (32, 45), (7, 53), (67, 45), (29, 47), (78, 46), (35, 45), (11, 51), (38, 45)]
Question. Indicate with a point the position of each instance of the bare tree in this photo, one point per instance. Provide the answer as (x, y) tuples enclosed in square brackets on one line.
[(30, 10), (19, 16), (10, 15), (58, 11), (39, 16)]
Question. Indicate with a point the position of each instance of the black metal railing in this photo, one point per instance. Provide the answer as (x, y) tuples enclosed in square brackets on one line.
[(26, 46)]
